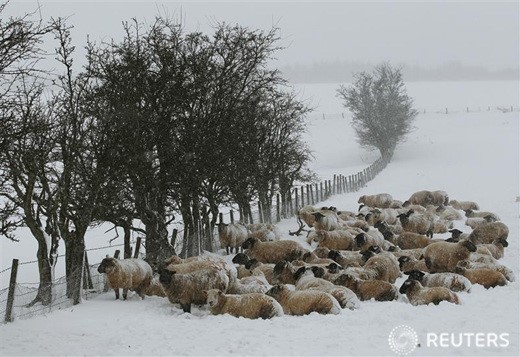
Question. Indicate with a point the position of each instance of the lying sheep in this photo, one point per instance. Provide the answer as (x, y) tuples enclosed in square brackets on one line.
[(273, 252), (326, 221), (304, 302), (471, 214), (383, 266), (440, 198), (368, 289), (448, 213), (496, 249), (421, 198), (382, 200), (263, 235), (338, 239), (250, 306), (373, 238), (187, 289), (347, 258), (464, 205), (505, 271), (256, 283), (443, 256), (475, 222), (306, 280), (488, 278), (283, 273), (442, 226), (457, 235), (407, 263), (489, 232), (416, 253), (231, 236), (266, 269), (128, 274), (452, 281), (411, 240), (384, 227), (419, 295), (212, 261), (312, 258), (263, 227)]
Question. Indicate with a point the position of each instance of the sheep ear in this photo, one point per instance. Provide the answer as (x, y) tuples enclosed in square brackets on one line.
[(504, 242)]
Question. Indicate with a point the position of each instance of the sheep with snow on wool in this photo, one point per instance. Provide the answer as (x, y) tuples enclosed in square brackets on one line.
[(127, 274), (249, 306)]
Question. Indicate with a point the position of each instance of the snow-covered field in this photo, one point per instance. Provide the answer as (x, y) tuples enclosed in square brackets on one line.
[(472, 156)]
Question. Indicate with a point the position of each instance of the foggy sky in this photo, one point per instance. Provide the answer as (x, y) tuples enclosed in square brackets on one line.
[(417, 33)]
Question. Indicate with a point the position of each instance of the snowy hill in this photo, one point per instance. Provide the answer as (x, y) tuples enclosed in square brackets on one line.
[(472, 156)]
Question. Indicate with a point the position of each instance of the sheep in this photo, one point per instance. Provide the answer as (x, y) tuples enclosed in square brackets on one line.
[(388, 215), (256, 283), (419, 295), (305, 214), (407, 263), (371, 238), (273, 252), (263, 235), (384, 227), (475, 222), (312, 258), (448, 213), (415, 253), (155, 288), (304, 302), (250, 306), (442, 226), (443, 256), (306, 280), (396, 204), (231, 236), (495, 249), (488, 278), (457, 235), (266, 269), (368, 289), (326, 221), (382, 200), (440, 198), (346, 215), (411, 240), (204, 262), (346, 258), (408, 206), (338, 239), (452, 281), (383, 266), (422, 198), (483, 214), (127, 274), (283, 273), (508, 273), (487, 233), (266, 228), (187, 289), (416, 223), (464, 205)]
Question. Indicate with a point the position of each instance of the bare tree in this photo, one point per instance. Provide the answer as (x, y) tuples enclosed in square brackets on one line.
[(382, 110)]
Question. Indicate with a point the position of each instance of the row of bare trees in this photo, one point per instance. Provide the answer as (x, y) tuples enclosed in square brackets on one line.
[(161, 123)]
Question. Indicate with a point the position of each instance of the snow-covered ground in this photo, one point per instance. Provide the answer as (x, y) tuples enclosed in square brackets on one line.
[(472, 156)]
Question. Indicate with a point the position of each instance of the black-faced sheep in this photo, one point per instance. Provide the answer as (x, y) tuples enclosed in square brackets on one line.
[(312, 258), (416, 223), (488, 278), (368, 289), (411, 240), (128, 274), (187, 289), (381, 200), (442, 257), (496, 249), (505, 271), (487, 233), (452, 281), (383, 266), (273, 252), (304, 302), (231, 236), (250, 306), (255, 283), (337, 239), (419, 295), (347, 258), (407, 263), (326, 221)]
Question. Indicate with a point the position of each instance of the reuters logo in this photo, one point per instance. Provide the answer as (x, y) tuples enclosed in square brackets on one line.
[(402, 340)]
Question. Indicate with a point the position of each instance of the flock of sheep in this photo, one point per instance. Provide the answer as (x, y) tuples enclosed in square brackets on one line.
[(358, 256)]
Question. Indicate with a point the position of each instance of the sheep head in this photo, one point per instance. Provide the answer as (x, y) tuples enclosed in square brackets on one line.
[(318, 272), (407, 285), (213, 296), (279, 267), (107, 265), (299, 273), (276, 290), (414, 274), (360, 239), (344, 279), (361, 200), (333, 268), (503, 242), (252, 263), (455, 233), (166, 276), (469, 245), (318, 216), (240, 259), (402, 260), (249, 243), (334, 255)]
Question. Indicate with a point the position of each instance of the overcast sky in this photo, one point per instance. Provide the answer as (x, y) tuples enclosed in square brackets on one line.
[(416, 33)]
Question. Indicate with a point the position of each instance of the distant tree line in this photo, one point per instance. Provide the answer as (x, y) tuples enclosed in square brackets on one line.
[(161, 124)]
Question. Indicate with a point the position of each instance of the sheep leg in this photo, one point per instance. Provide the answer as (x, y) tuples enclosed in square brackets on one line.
[(227, 250), (125, 293), (186, 307), (117, 293)]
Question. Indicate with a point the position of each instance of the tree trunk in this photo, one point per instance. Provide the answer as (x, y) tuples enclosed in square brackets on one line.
[(74, 253)]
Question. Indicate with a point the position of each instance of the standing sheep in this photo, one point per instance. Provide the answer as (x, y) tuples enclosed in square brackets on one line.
[(250, 306), (231, 236), (128, 274), (487, 233), (464, 205), (381, 200), (273, 252)]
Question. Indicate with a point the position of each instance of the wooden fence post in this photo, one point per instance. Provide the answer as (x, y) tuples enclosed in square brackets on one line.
[(302, 196), (116, 254), (308, 195), (321, 191), (278, 213), (137, 247), (87, 283), (174, 237), (231, 216), (260, 213), (10, 294), (296, 203), (317, 193), (334, 178)]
